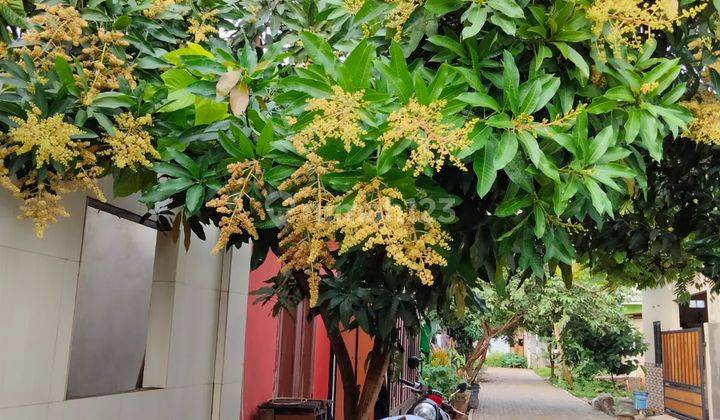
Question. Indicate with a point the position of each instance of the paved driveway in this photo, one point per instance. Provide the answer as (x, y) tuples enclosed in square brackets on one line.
[(519, 394)]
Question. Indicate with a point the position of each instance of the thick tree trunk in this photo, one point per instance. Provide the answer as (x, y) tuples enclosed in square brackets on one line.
[(356, 406), (378, 366), (351, 392)]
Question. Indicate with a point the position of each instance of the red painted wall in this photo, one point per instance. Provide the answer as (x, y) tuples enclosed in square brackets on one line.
[(260, 345), (321, 363)]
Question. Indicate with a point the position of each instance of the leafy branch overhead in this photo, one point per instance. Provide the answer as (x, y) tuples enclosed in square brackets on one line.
[(393, 154)]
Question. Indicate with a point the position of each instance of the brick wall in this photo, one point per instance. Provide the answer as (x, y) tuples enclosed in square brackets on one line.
[(654, 387)]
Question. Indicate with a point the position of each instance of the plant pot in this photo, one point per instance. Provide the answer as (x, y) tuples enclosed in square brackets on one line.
[(474, 400), (460, 401)]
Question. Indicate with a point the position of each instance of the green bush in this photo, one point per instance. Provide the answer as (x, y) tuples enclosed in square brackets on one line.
[(507, 360), (440, 378)]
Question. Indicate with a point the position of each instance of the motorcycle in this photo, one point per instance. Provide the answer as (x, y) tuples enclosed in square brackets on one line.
[(431, 405)]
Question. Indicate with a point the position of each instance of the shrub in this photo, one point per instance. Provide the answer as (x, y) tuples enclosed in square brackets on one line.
[(507, 360), (440, 378)]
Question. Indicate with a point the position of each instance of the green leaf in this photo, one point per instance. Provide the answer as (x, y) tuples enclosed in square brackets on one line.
[(207, 111), (540, 222), (448, 43), (511, 81), (441, 7), (170, 169), (532, 150), (399, 68), (113, 100), (632, 126), (575, 57), (513, 205), (601, 105), (478, 99), (620, 93), (176, 79), (166, 189), (65, 75), (651, 139), (186, 162), (354, 73), (476, 16), (320, 51), (505, 23), (597, 196), (149, 62), (202, 65), (507, 7), (241, 149), (386, 160), (122, 22), (267, 135), (194, 198), (604, 139), (484, 168), (506, 150)]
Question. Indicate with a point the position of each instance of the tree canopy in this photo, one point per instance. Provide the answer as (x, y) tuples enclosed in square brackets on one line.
[(391, 153)]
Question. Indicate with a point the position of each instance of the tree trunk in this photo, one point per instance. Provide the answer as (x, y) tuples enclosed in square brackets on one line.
[(356, 406), (345, 367), (551, 357), (475, 361), (379, 363)]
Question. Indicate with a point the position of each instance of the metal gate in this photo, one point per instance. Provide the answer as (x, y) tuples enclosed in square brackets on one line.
[(683, 355)]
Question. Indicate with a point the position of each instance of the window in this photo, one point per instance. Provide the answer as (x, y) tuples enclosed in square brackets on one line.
[(693, 314), (697, 304), (110, 326)]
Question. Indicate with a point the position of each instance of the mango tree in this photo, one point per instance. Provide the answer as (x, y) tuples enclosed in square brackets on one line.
[(393, 154)]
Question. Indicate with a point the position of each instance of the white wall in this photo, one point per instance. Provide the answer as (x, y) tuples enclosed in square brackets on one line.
[(658, 305), (195, 318)]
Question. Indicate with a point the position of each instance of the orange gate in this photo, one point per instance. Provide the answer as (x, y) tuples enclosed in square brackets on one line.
[(683, 358)]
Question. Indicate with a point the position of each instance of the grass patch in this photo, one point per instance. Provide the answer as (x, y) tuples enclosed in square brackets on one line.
[(507, 360), (543, 372), (583, 388)]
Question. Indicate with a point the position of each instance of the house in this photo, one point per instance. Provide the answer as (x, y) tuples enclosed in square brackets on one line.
[(681, 363), (109, 318)]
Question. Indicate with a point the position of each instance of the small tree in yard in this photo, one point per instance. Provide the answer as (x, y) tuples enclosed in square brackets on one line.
[(610, 347), (394, 154)]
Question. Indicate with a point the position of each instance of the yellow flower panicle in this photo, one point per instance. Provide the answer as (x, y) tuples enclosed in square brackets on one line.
[(338, 117), (203, 26), (59, 29), (353, 6), (627, 24), (306, 238), (158, 7), (49, 137), (705, 125), (49, 140), (397, 17), (102, 67), (435, 142), (232, 198), (51, 32), (409, 236), (130, 145)]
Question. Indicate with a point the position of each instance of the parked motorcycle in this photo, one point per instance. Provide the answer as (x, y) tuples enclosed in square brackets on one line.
[(431, 405)]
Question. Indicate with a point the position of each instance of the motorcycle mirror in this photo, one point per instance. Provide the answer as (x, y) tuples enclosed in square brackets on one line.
[(413, 362), (462, 387)]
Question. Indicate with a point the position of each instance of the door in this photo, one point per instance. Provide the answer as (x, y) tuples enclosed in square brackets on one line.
[(683, 353)]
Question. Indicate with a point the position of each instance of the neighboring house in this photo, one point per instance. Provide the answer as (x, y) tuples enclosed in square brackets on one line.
[(682, 366), (108, 318)]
